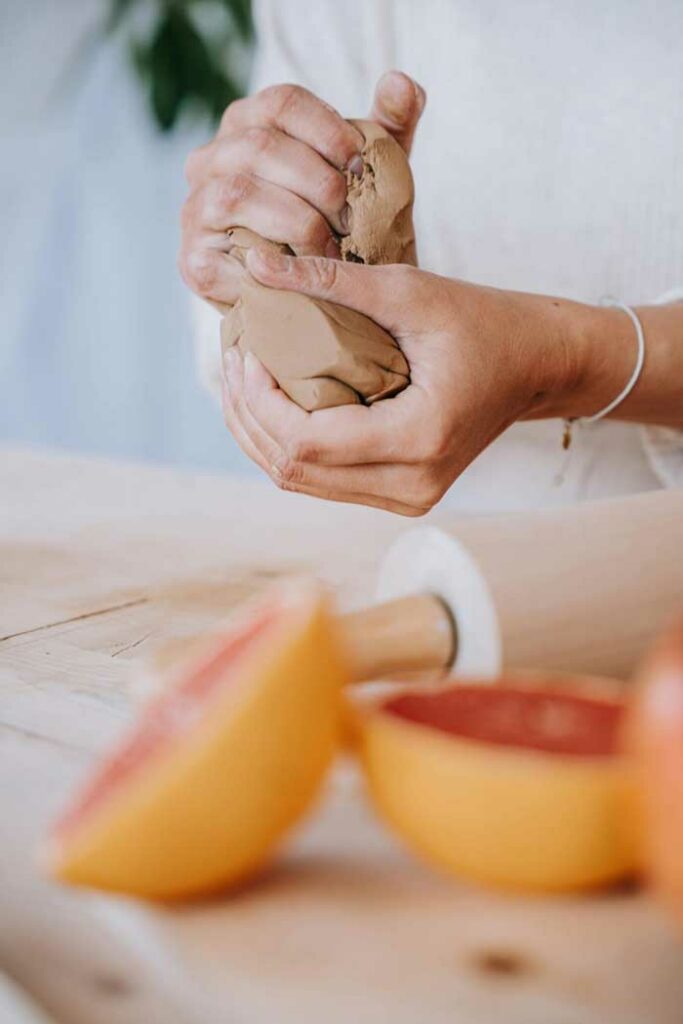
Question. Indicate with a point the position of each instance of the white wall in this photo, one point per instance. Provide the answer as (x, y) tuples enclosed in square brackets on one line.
[(95, 334)]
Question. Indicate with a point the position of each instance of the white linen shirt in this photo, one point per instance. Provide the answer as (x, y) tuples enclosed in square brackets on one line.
[(549, 159)]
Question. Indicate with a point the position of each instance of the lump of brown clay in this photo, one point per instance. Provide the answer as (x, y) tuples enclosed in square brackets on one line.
[(322, 354)]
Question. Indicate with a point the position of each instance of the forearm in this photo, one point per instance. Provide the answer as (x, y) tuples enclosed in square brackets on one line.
[(592, 354)]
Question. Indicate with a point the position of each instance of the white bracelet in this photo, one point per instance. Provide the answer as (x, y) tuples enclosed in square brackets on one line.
[(632, 381)]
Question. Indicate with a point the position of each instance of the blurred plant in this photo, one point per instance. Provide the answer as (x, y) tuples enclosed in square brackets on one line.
[(190, 54)]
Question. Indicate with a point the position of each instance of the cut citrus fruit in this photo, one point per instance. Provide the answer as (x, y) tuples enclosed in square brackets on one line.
[(220, 765), (505, 785)]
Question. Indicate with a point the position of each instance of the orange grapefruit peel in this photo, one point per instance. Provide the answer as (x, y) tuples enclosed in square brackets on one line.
[(654, 739), (503, 811), (219, 766)]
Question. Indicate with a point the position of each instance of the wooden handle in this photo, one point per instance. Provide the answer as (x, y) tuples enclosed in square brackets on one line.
[(409, 634)]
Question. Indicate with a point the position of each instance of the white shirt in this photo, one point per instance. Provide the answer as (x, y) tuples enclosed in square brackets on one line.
[(549, 159)]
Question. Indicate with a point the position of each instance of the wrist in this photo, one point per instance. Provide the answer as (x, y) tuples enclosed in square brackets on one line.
[(587, 354)]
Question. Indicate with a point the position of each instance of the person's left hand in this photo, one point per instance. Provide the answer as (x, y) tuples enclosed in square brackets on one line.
[(480, 358), (277, 166)]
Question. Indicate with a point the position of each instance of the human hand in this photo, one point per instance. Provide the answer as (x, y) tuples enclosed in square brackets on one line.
[(480, 358), (277, 166)]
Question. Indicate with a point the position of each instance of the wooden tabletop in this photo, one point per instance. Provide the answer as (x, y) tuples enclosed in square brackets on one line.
[(98, 563)]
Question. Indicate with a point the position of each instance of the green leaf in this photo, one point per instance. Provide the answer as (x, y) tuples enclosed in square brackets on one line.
[(241, 13), (179, 65), (167, 88), (196, 62)]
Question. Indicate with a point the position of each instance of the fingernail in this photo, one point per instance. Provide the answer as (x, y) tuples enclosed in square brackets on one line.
[(355, 166), (392, 76), (396, 88), (268, 260), (345, 218), (420, 97), (332, 249)]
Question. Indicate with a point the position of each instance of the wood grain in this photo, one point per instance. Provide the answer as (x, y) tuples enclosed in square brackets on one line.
[(98, 563)]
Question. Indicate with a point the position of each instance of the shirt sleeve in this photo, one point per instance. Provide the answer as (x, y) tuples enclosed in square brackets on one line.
[(664, 445)]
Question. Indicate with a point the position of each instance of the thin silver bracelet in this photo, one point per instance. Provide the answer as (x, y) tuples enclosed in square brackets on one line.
[(632, 381)]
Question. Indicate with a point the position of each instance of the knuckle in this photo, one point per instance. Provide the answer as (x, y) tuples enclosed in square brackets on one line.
[(280, 99), (340, 141), (326, 274), (232, 113), (259, 139), (191, 166), (332, 191), (289, 473), (200, 270), (233, 191), (313, 229), (302, 450)]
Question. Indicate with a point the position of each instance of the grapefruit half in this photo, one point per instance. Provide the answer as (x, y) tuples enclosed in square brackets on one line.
[(654, 737), (505, 785), (220, 764)]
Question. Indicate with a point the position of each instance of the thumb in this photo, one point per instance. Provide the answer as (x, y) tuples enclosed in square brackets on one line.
[(369, 290), (398, 105)]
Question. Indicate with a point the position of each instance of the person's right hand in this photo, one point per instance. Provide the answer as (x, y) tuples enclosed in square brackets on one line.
[(277, 166)]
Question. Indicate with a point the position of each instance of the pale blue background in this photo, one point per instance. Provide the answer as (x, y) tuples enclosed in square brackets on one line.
[(95, 331)]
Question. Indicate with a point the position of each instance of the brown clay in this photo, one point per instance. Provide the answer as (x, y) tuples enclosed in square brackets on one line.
[(320, 353)]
